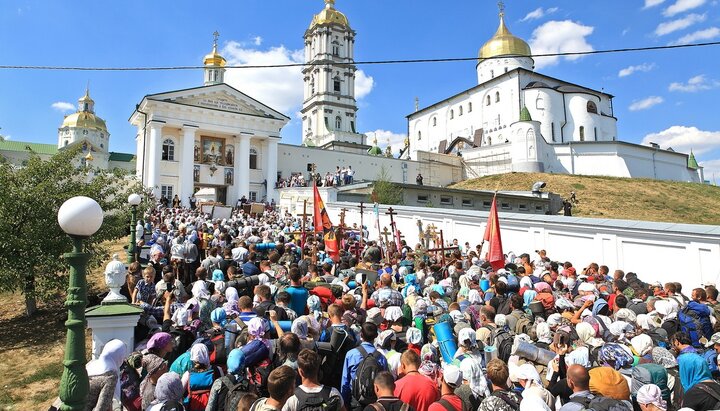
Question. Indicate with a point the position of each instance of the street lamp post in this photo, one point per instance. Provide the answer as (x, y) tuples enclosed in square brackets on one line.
[(79, 217), (134, 200)]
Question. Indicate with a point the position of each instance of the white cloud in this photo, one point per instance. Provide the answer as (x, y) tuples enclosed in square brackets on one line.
[(257, 40), (684, 139), (711, 170), (653, 3), (63, 106), (363, 84), (697, 83), (707, 34), (681, 6), (396, 140), (559, 37), (280, 88), (7, 138), (646, 103), (539, 13), (679, 24), (644, 68)]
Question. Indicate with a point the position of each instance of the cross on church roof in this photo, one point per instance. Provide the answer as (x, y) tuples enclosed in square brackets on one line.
[(501, 6), (215, 38)]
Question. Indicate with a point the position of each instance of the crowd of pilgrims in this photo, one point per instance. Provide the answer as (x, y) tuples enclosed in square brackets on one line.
[(239, 316)]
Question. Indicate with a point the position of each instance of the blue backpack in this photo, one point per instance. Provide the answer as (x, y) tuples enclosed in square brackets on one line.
[(691, 325), (513, 284), (710, 357)]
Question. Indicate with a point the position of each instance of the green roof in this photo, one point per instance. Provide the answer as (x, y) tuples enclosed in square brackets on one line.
[(525, 114), (692, 163), (9, 145), (123, 157), (375, 151)]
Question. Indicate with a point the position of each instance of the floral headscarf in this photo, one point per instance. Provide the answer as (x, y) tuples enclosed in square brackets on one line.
[(615, 356), (473, 373), (429, 366)]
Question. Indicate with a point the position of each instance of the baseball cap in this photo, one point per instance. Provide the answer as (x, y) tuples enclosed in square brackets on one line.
[(715, 339), (452, 375)]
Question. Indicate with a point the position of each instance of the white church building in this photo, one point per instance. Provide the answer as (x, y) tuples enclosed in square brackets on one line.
[(518, 120)]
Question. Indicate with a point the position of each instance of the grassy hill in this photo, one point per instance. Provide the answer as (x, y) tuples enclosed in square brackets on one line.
[(621, 198)]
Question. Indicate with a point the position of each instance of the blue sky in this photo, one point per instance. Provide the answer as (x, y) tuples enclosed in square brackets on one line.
[(668, 97)]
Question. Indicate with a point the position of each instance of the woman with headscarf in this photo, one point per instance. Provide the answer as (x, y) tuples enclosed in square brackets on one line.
[(429, 365), (198, 381), (649, 398), (236, 374), (543, 335), (642, 346), (701, 390), (257, 349), (586, 334), (104, 375), (385, 345), (154, 367), (301, 327), (474, 388), (414, 339), (168, 392), (529, 379)]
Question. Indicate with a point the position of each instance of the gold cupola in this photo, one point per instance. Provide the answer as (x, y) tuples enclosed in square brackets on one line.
[(85, 116), (214, 59), (504, 43), (329, 15)]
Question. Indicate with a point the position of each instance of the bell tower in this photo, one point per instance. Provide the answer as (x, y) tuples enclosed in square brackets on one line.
[(329, 110)]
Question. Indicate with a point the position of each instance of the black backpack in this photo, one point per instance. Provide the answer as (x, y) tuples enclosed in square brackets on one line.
[(503, 341), (597, 403), (340, 343), (504, 307), (321, 401), (172, 406), (234, 391), (363, 389)]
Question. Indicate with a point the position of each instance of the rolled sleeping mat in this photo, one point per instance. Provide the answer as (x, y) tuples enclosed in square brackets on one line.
[(531, 352), (265, 246), (352, 285), (484, 285), (446, 340), (490, 352), (285, 325)]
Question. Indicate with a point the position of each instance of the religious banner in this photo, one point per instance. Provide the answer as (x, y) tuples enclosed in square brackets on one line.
[(492, 234)]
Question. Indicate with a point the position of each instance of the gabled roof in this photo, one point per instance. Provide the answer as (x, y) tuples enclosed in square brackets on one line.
[(176, 97), (39, 148)]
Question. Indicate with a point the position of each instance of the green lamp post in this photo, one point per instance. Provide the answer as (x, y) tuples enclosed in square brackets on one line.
[(134, 200), (79, 217)]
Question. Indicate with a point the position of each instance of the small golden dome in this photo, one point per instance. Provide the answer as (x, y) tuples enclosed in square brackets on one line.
[(503, 43), (84, 119), (330, 15), (214, 58)]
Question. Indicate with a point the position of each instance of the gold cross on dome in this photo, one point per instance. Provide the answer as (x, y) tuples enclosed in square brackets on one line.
[(501, 6), (215, 37)]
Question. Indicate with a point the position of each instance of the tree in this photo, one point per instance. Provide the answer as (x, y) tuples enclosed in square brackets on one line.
[(31, 240), (385, 191)]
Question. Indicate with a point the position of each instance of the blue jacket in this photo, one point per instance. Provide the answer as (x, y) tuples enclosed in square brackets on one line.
[(352, 360)]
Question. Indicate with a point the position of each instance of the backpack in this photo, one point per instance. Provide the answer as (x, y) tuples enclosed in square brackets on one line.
[(379, 407), (197, 399), (710, 357), (523, 324), (547, 300), (504, 306), (363, 389), (513, 284), (172, 406), (604, 330), (130, 387), (235, 391), (511, 402), (658, 339), (219, 354), (321, 401), (503, 342), (258, 377), (340, 343), (597, 403), (691, 325)]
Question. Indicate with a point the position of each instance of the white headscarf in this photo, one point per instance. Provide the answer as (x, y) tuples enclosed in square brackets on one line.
[(651, 394), (112, 356), (642, 344), (199, 354), (472, 372), (543, 333), (474, 297)]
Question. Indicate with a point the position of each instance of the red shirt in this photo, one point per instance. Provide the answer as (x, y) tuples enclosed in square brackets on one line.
[(417, 390), (453, 399)]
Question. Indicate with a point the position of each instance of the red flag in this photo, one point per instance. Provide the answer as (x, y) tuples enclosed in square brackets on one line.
[(492, 234), (322, 224), (321, 220)]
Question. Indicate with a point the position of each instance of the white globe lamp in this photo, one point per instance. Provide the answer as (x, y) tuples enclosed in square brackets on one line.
[(80, 216), (134, 199)]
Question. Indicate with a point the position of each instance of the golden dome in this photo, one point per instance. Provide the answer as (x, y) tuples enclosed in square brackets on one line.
[(84, 119), (330, 15), (214, 58), (503, 43)]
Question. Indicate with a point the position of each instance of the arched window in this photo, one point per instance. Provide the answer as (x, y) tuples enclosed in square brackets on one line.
[(338, 123), (253, 158), (168, 150), (497, 96), (582, 133), (460, 111), (487, 100), (452, 114), (492, 73), (434, 121), (591, 107), (309, 123), (470, 107), (419, 135)]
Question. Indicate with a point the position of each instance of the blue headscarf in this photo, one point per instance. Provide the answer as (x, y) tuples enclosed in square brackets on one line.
[(218, 275), (693, 369), (528, 297), (598, 305), (219, 316)]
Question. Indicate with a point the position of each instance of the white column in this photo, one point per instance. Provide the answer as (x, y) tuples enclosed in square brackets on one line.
[(154, 151), (271, 156), (187, 162), (242, 166), (139, 154)]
